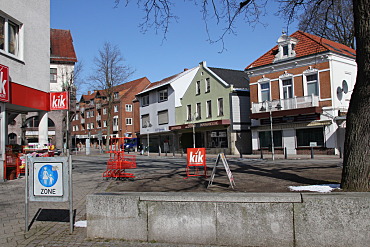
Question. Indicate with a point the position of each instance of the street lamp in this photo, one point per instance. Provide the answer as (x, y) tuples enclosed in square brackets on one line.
[(272, 132), (194, 118), (147, 125)]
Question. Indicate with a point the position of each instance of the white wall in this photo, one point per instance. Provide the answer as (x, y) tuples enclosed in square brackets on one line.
[(64, 74), (32, 69)]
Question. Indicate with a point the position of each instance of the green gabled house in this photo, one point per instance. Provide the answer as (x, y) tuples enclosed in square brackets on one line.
[(215, 112)]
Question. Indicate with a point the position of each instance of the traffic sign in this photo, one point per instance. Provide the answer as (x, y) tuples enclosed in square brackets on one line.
[(48, 179)]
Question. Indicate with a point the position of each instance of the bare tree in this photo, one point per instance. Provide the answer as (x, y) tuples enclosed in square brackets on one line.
[(333, 21), (356, 163), (109, 72)]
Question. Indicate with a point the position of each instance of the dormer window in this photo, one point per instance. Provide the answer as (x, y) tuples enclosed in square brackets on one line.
[(286, 46)]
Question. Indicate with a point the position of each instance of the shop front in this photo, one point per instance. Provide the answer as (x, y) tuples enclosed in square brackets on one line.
[(215, 136)]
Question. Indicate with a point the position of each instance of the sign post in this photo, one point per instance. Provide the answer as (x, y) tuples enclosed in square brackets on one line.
[(49, 179)]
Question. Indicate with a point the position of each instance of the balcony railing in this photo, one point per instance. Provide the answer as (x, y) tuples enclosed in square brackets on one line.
[(286, 104)]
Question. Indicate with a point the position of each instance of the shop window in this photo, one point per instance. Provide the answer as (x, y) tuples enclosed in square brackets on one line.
[(265, 139), (217, 139), (305, 136)]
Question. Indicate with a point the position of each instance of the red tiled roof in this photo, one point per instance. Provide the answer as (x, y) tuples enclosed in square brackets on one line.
[(308, 44), (61, 46), (122, 89)]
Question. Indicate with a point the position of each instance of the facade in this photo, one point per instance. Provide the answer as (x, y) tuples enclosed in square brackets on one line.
[(90, 121), (62, 61), (303, 85), (157, 110), (24, 65), (215, 112)]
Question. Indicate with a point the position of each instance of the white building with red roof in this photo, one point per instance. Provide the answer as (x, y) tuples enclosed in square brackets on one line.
[(303, 85)]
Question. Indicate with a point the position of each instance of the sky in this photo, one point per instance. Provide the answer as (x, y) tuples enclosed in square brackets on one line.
[(94, 22)]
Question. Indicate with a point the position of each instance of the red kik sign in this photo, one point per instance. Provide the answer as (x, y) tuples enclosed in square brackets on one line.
[(4, 83), (59, 101), (196, 157)]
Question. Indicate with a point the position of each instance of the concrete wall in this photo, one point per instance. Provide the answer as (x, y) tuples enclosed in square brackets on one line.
[(242, 219)]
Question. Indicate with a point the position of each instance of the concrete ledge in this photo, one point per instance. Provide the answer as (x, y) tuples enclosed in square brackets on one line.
[(243, 219)]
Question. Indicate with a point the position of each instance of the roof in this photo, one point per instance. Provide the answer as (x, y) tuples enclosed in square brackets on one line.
[(308, 44), (122, 89), (237, 78), (61, 46), (166, 81)]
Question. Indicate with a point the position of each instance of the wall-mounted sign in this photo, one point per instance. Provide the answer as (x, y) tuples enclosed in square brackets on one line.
[(4, 83), (59, 101)]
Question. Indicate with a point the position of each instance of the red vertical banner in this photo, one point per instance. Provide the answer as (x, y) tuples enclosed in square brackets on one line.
[(59, 101), (4, 83), (196, 159)]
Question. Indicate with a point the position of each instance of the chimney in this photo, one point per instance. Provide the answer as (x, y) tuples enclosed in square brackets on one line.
[(88, 92), (186, 69)]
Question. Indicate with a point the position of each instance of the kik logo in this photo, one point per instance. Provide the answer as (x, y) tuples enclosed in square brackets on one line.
[(3, 82), (196, 157), (59, 101)]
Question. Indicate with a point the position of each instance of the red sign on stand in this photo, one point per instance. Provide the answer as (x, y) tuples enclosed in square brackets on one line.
[(4, 83), (59, 101), (196, 159)]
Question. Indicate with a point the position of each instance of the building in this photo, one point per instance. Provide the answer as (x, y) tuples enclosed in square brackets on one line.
[(91, 121), (300, 92), (24, 130), (214, 112), (24, 65), (157, 110)]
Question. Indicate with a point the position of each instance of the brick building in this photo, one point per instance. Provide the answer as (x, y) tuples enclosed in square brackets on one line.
[(90, 121), (300, 91)]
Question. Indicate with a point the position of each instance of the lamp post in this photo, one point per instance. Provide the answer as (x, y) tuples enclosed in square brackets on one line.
[(194, 118), (272, 133), (147, 125)]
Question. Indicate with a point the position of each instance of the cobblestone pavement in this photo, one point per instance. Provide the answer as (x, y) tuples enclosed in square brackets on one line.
[(86, 180)]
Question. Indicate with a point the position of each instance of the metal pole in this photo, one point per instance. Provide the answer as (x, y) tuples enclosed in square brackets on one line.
[(272, 135), (26, 193), (71, 220), (193, 135), (148, 142)]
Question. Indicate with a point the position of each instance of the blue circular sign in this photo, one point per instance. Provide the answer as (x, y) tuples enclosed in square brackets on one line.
[(48, 176)]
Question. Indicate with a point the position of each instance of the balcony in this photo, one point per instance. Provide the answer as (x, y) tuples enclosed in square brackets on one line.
[(284, 107)]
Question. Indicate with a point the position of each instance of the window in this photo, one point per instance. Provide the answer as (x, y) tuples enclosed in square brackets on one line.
[(87, 114), (287, 88), (209, 109), (220, 107), (105, 123), (217, 139), (128, 121), (197, 88), (163, 117), (188, 112), (312, 85), (305, 136), (145, 121), (265, 91), (199, 111), (208, 85), (76, 117), (285, 50), (91, 113), (115, 108), (162, 95), (9, 36), (104, 111), (265, 139), (91, 125), (115, 95), (53, 75), (128, 108), (115, 121), (145, 100)]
